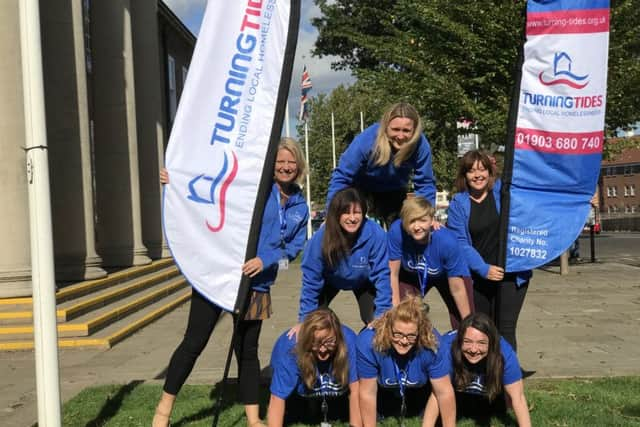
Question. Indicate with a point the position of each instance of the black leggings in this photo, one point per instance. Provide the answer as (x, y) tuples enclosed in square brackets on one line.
[(502, 301), (203, 316), (365, 296)]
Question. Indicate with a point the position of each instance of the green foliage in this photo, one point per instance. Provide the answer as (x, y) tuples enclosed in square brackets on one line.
[(457, 59)]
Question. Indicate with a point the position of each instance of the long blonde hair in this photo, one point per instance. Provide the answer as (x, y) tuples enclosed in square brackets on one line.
[(320, 319), (410, 310), (294, 148), (381, 154)]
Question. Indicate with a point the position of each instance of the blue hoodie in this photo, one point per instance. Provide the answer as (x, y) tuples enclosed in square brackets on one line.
[(279, 238), (458, 222), (356, 169), (367, 264)]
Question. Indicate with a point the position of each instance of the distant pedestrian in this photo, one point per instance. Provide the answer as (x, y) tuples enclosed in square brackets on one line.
[(421, 259), (483, 368), (349, 252), (474, 217), (282, 236), (316, 378), (380, 160), (399, 365)]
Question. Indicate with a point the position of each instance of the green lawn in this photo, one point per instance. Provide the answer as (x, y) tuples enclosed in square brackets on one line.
[(574, 402)]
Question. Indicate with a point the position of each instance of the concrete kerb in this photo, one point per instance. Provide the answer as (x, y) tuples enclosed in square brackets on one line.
[(582, 324)]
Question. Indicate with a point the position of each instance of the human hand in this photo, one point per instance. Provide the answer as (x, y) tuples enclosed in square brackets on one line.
[(495, 273), (164, 176), (293, 332), (436, 225), (252, 267)]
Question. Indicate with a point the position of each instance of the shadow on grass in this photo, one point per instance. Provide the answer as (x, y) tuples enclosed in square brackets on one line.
[(229, 399), (113, 404)]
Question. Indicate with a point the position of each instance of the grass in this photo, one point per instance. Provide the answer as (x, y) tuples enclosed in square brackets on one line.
[(556, 403)]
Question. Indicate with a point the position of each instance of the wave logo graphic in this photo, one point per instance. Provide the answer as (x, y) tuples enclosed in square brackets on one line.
[(222, 181), (562, 74)]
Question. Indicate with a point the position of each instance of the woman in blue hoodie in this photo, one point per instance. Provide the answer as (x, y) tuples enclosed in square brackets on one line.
[(380, 160), (474, 216), (282, 236), (349, 252)]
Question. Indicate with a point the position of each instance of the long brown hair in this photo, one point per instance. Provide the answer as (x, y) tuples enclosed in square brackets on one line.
[(410, 310), (495, 364), (381, 154), (466, 164), (320, 319), (335, 242)]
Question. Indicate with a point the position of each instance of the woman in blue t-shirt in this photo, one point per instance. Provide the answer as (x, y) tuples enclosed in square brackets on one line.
[(313, 376), (349, 252), (483, 368), (399, 365), (421, 258)]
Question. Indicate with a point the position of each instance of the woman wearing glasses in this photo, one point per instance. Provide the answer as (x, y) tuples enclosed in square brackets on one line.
[(313, 376), (399, 366)]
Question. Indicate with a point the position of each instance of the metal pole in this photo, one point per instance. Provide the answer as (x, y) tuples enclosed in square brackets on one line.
[(333, 138), (45, 333), (306, 155), (564, 263), (592, 239), (361, 121), (286, 121)]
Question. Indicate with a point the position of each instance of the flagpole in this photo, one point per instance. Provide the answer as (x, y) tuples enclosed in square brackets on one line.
[(361, 121), (333, 138), (287, 133), (306, 155), (45, 334)]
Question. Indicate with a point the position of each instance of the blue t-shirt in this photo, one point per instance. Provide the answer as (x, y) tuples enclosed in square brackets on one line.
[(512, 372), (440, 258), (414, 369), (286, 377)]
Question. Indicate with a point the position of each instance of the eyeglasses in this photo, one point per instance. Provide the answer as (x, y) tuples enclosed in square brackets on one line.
[(328, 344), (398, 336)]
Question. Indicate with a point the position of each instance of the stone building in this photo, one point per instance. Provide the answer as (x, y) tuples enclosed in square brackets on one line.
[(113, 72)]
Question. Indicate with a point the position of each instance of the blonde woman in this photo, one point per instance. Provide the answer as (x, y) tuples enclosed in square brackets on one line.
[(422, 258), (380, 160), (282, 237), (315, 378), (399, 366)]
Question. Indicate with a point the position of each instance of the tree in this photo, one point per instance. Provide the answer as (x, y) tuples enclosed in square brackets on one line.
[(457, 60)]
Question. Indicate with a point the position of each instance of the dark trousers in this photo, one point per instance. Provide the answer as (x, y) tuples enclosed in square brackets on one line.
[(409, 285), (203, 316), (389, 401), (308, 410), (365, 296), (502, 301)]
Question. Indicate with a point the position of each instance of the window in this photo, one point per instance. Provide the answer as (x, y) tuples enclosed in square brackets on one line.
[(614, 191), (171, 80), (627, 209), (634, 208), (608, 191), (632, 190), (626, 191), (627, 170)]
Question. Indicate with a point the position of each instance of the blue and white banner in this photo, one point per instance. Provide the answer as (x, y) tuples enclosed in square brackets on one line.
[(559, 128), (220, 138)]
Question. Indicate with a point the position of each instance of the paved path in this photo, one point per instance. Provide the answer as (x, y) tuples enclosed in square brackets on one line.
[(582, 324)]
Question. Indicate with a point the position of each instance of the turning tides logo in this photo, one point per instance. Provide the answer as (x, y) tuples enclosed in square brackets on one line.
[(211, 186), (562, 74)]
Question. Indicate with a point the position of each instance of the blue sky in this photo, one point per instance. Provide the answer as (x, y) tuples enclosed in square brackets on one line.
[(324, 79)]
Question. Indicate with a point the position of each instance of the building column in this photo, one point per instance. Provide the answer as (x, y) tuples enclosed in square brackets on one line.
[(71, 169), (15, 254), (119, 223), (150, 121)]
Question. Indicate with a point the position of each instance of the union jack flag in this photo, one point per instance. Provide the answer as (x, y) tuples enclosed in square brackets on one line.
[(305, 87)]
